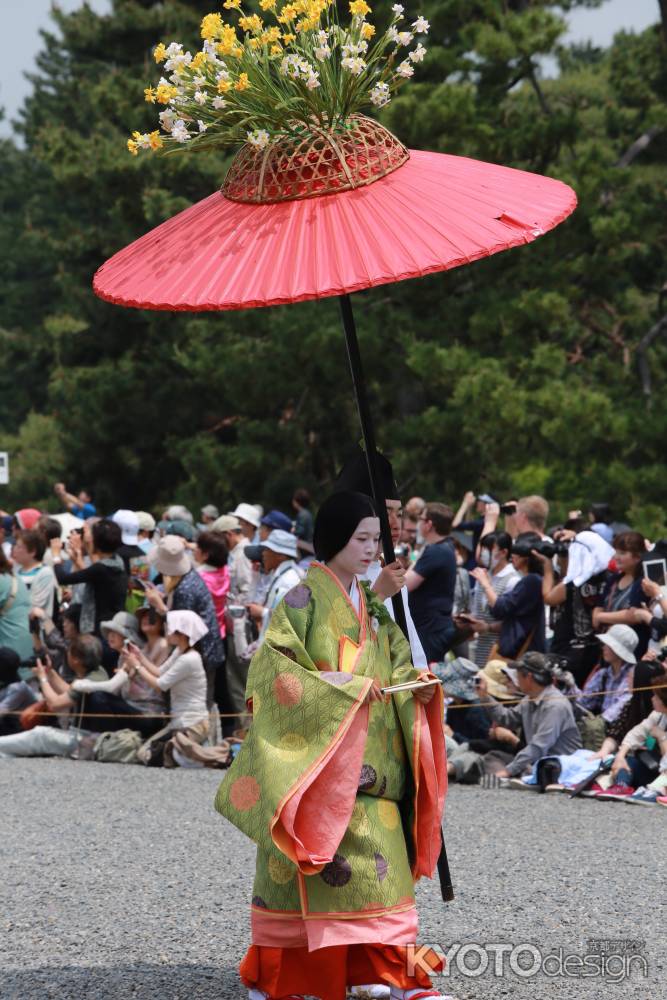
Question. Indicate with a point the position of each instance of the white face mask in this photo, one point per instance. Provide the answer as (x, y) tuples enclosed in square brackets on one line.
[(485, 558)]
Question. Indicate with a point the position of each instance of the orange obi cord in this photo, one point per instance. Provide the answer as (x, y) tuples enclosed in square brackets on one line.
[(327, 972)]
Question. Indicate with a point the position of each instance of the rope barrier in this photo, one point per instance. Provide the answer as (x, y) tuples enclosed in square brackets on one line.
[(248, 714)]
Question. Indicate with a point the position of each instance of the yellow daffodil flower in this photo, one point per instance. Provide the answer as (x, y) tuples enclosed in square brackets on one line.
[(165, 92), (132, 147), (160, 53), (199, 60), (211, 26), (149, 95), (359, 8), (367, 30), (276, 50), (267, 4), (242, 83), (232, 4), (253, 23), (224, 86), (156, 141), (288, 38)]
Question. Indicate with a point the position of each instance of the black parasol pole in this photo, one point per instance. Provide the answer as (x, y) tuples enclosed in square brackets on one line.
[(370, 448)]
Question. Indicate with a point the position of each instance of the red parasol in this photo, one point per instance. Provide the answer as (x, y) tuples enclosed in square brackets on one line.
[(434, 213)]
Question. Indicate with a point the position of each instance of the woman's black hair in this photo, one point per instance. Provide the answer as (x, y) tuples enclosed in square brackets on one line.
[(522, 546), (501, 539), (73, 614), (106, 535), (9, 666), (214, 548), (337, 520)]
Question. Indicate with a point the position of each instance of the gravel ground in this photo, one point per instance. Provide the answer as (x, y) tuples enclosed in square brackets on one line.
[(121, 882)]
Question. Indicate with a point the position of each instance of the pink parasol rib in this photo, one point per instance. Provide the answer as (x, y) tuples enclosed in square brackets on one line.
[(434, 213)]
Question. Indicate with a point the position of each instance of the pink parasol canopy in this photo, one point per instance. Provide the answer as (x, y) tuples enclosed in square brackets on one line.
[(434, 213)]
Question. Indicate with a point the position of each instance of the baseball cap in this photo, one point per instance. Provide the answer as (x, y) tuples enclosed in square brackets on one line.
[(226, 522), (276, 519)]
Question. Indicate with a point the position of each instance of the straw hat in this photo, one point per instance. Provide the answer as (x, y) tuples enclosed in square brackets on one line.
[(495, 673)]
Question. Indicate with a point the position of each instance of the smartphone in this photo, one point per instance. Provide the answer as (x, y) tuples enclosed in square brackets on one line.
[(138, 582)]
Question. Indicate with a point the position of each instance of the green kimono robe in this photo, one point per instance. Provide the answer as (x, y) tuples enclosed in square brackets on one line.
[(343, 798)]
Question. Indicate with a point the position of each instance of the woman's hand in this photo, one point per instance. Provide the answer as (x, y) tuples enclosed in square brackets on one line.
[(619, 763), (652, 589), (256, 611), (155, 599), (374, 693), (503, 735), (390, 580), (482, 577), (545, 560), (424, 695)]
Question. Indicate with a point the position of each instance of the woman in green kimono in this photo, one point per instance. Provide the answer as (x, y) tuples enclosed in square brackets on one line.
[(341, 787)]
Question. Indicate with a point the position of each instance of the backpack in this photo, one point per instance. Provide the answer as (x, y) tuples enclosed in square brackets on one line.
[(119, 747)]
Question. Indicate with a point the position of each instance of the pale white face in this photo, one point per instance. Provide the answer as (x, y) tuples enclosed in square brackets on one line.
[(361, 550)]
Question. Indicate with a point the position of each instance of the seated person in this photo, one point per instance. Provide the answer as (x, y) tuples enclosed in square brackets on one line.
[(52, 641), (131, 702), (84, 658), (643, 744), (15, 694), (608, 691), (183, 676), (544, 714)]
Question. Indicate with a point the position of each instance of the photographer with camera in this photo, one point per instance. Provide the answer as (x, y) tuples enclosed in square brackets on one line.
[(518, 615), (104, 578), (63, 740), (127, 701), (50, 641), (582, 560)]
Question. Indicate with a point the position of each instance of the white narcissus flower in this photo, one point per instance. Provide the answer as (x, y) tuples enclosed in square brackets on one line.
[(398, 9), (322, 53), (260, 138), (174, 49), (200, 97), (219, 102), (417, 55), (354, 65), (421, 26), (167, 119), (380, 95), (222, 75), (199, 80), (313, 81), (392, 34), (404, 37), (202, 125), (179, 132), (405, 69)]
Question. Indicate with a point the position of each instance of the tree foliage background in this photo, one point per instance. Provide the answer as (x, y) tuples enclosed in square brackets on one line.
[(538, 370)]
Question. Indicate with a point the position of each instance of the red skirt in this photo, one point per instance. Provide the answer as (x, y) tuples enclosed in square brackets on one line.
[(327, 972)]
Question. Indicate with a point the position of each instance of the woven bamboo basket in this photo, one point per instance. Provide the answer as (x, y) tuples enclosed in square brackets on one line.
[(319, 162)]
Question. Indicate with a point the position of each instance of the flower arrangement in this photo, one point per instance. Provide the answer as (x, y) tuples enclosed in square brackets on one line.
[(257, 83)]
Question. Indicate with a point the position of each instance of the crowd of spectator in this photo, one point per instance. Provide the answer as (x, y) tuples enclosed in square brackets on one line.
[(128, 637)]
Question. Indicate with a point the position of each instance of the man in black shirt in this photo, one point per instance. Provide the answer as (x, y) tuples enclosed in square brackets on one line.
[(431, 583)]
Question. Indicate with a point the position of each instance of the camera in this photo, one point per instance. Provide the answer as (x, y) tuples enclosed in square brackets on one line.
[(402, 550), (508, 508), (236, 610), (34, 626), (543, 546), (662, 655)]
